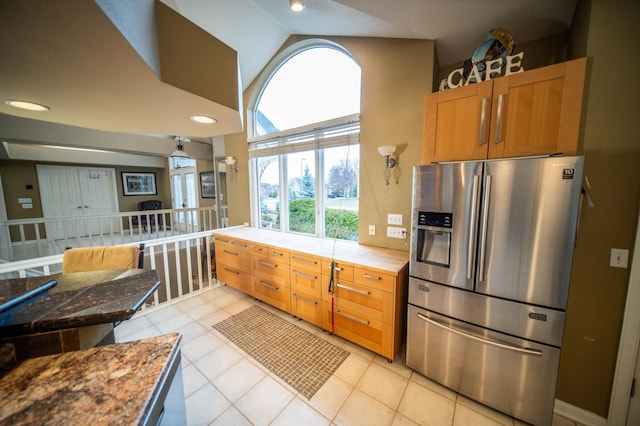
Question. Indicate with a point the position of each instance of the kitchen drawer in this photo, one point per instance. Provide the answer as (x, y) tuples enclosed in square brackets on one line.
[(270, 292), (271, 270), (342, 271), (374, 278), (306, 281), (306, 307), (305, 261), (274, 253), (356, 296), (231, 243), (230, 255), (234, 277), (358, 328)]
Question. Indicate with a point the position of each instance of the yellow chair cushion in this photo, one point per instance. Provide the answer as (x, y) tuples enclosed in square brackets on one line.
[(100, 258)]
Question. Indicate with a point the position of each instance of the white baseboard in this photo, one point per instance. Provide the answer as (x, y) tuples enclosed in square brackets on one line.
[(577, 414)]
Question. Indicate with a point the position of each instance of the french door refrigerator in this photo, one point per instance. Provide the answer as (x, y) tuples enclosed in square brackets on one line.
[(491, 250)]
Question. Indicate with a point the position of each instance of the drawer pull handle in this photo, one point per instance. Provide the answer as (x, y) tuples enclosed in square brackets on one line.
[(302, 274), (275, 253), (230, 252), (307, 261), (358, 320), (311, 302), (257, 249), (265, 263), (335, 268), (220, 239), (355, 290), (238, 244), (232, 271), (263, 284), (501, 345), (371, 277)]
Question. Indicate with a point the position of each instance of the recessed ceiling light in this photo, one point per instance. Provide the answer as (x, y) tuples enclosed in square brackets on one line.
[(204, 119), (297, 5), (31, 106)]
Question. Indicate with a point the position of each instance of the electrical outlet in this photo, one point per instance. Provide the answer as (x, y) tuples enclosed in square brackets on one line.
[(619, 258), (372, 230), (394, 219), (393, 232)]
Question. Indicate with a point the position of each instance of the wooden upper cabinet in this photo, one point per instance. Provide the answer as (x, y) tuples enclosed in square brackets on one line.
[(535, 112)]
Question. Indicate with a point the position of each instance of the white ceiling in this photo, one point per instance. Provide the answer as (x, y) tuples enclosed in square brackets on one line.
[(256, 29)]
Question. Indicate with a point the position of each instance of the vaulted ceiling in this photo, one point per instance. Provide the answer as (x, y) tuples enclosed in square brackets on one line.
[(128, 75)]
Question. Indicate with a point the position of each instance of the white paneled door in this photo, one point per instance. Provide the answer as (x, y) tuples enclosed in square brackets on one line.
[(77, 191), (184, 195)]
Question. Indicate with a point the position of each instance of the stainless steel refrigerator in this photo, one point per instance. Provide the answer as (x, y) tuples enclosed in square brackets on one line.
[(491, 250)]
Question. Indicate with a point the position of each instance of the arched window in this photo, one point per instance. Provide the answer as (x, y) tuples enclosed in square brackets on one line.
[(305, 149)]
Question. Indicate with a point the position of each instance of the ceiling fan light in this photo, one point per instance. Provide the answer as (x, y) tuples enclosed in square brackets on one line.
[(297, 5)]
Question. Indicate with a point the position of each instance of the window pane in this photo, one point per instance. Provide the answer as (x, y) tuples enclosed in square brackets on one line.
[(315, 85), (341, 171), (301, 192), (269, 189)]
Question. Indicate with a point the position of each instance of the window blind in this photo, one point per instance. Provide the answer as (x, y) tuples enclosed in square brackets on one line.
[(339, 132)]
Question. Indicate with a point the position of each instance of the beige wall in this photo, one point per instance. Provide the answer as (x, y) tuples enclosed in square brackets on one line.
[(611, 146), (395, 76)]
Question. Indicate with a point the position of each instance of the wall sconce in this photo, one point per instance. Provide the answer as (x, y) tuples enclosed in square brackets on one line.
[(231, 166), (389, 162)]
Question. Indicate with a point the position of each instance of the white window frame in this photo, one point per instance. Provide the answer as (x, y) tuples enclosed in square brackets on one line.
[(341, 131)]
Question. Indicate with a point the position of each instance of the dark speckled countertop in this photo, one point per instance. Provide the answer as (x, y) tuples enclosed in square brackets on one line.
[(113, 384), (77, 300)]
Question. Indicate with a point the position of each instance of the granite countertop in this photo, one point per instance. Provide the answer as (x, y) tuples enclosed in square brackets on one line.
[(77, 300), (383, 259), (113, 384)]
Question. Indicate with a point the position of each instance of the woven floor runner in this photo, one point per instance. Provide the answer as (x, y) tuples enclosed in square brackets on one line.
[(298, 357)]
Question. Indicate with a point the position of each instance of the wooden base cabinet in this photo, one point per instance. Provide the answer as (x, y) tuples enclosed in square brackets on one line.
[(233, 263), (534, 112), (368, 305)]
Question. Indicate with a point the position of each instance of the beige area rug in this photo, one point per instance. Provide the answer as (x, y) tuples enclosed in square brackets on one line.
[(298, 357)]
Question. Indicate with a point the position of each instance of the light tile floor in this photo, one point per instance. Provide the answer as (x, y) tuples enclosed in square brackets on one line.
[(224, 386)]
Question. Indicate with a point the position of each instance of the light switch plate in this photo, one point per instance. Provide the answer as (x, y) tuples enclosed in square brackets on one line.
[(394, 219), (372, 230), (619, 258)]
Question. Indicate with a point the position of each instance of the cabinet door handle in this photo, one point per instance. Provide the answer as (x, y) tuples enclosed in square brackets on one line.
[(358, 320), (355, 290), (263, 284), (371, 277), (302, 274), (307, 261), (483, 120), (499, 118), (311, 302), (232, 271), (265, 263), (230, 252)]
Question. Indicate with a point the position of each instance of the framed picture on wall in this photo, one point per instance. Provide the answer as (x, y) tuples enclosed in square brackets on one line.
[(207, 185), (137, 183)]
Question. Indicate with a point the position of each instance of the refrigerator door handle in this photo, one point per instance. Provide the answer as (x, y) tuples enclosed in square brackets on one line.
[(472, 225), (483, 120), (502, 345), (485, 220)]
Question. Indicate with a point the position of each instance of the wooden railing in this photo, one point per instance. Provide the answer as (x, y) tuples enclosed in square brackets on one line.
[(184, 265), (102, 229)]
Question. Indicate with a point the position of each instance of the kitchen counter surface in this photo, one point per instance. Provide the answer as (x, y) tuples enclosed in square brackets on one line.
[(113, 384), (386, 260), (77, 300)]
